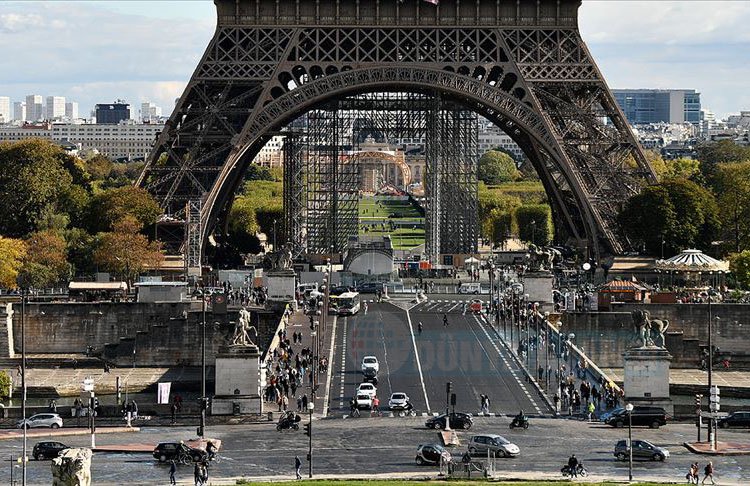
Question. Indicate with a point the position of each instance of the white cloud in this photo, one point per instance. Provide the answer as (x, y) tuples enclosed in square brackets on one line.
[(15, 22)]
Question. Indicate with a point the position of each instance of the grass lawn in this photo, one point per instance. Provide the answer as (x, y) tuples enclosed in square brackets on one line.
[(397, 482), (395, 211)]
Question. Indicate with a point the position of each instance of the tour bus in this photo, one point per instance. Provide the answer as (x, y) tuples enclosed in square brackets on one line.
[(345, 304)]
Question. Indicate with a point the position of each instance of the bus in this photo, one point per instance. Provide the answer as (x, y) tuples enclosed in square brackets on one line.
[(345, 304)]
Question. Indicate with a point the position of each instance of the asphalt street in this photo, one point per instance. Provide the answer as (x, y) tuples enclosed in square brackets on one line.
[(387, 445), (466, 353)]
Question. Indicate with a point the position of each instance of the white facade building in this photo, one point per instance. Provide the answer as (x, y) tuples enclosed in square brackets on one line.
[(126, 141), (19, 111), (150, 113), (71, 110), (34, 108), (55, 108), (5, 110), (272, 153), (492, 137)]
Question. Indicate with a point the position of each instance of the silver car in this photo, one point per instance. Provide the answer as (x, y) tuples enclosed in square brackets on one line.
[(51, 420), (496, 444)]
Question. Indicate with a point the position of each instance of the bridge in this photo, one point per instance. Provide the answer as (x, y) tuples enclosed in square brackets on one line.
[(521, 64)]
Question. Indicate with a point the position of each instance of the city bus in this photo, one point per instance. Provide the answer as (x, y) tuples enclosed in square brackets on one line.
[(345, 304)]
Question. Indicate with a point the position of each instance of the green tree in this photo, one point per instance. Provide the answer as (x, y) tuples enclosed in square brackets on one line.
[(732, 183), (12, 253), (496, 210), (5, 384), (80, 250), (110, 206), (714, 153), (33, 177), (99, 167), (126, 252), (739, 265), (252, 212), (496, 167), (535, 223), (677, 211)]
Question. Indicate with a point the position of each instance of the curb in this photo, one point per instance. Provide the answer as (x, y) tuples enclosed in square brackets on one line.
[(67, 432), (689, 446)]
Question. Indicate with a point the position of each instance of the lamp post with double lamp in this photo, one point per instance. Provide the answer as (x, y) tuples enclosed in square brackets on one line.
[(546, 350), (310, 407), (711, 423), (492, 288), (569, 347), (24, 456), (629, 409), (528, 331)]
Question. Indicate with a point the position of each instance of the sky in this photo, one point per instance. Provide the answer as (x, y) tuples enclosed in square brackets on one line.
[(145, 50)]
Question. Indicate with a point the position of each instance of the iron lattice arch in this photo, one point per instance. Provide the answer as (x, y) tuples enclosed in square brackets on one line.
[(522, 64)]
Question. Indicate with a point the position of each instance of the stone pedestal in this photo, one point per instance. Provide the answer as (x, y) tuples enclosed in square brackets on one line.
[(72, 468), (646, 377), (281, 286), (237, 381)]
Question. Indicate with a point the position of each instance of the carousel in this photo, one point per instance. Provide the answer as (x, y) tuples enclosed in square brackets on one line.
[(693, 269)]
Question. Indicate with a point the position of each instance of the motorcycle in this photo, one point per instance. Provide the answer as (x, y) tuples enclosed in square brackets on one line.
[(580, 471), (290, 420), (407, 409), (522, 422)]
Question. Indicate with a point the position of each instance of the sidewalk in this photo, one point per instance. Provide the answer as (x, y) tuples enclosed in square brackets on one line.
[(722, 448), (18, 433)]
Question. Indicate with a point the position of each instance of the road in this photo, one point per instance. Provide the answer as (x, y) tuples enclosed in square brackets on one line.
[(466, 353), (384, 445)]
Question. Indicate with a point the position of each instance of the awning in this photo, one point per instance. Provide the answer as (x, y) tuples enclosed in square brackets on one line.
[(113, 286)]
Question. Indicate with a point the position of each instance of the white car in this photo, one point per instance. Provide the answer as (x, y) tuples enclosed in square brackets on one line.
[(370, 363), (51, 420), (363, 401), (398, 401), (367, 389)]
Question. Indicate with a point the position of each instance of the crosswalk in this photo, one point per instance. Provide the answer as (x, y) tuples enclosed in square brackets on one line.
[(442, 306)]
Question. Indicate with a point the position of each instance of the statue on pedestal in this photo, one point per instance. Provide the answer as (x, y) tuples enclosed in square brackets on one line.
[(241, 330), (649, 333), (279, 260)]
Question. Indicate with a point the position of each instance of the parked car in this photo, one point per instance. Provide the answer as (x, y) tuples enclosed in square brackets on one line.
[(735, 419), (363, 402), (431, 454), (47, 450), (51, 420), (458, 420), (367, 389), (370, 363), (370, 287), (653, 417), (168, 451), (642, 449), (496, 444), (606, 415)]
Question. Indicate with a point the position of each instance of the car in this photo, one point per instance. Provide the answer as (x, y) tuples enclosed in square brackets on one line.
[(339, 289), (370, 287), (642, 449), (470, 288), (653, 417), (431, 454), (51, 420), (370, 363), (398, 401), (168, 451), (606, 415), (475, 305), (363, 402), (47, 450), (734, 419), (458, 420), (367, 389), (496, 444)]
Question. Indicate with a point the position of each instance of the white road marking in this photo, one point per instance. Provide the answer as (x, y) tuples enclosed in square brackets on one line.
[(343, 363), (419, 364), (329, 373)]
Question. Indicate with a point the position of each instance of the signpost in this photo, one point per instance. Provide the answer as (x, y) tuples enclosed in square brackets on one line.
[(88, 386), (714, 407)]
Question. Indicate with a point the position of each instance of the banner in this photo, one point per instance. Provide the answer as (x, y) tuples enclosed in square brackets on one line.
[(162, 395)]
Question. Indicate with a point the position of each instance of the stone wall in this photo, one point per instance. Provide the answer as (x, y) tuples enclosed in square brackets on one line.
[(147, 334), (605, 335)]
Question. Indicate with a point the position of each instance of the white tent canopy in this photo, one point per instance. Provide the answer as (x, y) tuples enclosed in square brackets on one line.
[(692, 261)]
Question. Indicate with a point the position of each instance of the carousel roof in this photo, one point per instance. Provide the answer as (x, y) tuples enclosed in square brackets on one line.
[(692, 261)]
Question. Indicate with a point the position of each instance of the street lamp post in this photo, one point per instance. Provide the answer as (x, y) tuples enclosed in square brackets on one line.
[(310, 407), (203, 404), (23, 384), (546, 350), (710, 368), (629, 408)]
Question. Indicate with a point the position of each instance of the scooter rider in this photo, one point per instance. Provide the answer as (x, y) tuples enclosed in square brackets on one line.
[(520, 419)]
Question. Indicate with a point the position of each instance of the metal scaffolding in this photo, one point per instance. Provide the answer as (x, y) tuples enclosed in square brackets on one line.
[(294, 193), (193, 240)]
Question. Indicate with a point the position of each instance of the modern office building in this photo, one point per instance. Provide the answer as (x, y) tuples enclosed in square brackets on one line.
[(34, 108), (19, 111), (150, 113), (5, 109), (55, 108), (112, 113), (644, 106), (71, 110)]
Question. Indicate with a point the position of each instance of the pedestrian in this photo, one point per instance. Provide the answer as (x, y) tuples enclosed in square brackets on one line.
[(297, 467), (365, 307), (172, 471), (174, 413), (540, 373), (197, 474), (692, 474), (708, 471), (591, 410), (556, 400)]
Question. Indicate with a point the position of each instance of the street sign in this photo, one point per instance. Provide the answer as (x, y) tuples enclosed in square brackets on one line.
[(714, 415), (88, 384)]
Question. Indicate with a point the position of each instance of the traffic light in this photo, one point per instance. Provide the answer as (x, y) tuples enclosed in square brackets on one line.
[(308, 430), (698, 402)]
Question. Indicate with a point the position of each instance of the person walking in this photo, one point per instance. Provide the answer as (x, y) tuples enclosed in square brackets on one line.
[(692, 474), (197, 474), (172, 471), (591, 410), (173, 408), (365, 307), (708, 472), (297, 467)]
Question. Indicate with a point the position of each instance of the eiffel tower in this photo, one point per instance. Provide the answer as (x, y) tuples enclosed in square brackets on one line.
[(522, 64)]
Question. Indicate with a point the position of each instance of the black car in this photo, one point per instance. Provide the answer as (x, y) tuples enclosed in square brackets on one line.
[(370, 287), (339, 289), (47, 450), (458, 420), (653, 417), (168, 451), (735, 419)]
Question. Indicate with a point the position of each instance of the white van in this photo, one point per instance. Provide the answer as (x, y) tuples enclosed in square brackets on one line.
[(470, 288)]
